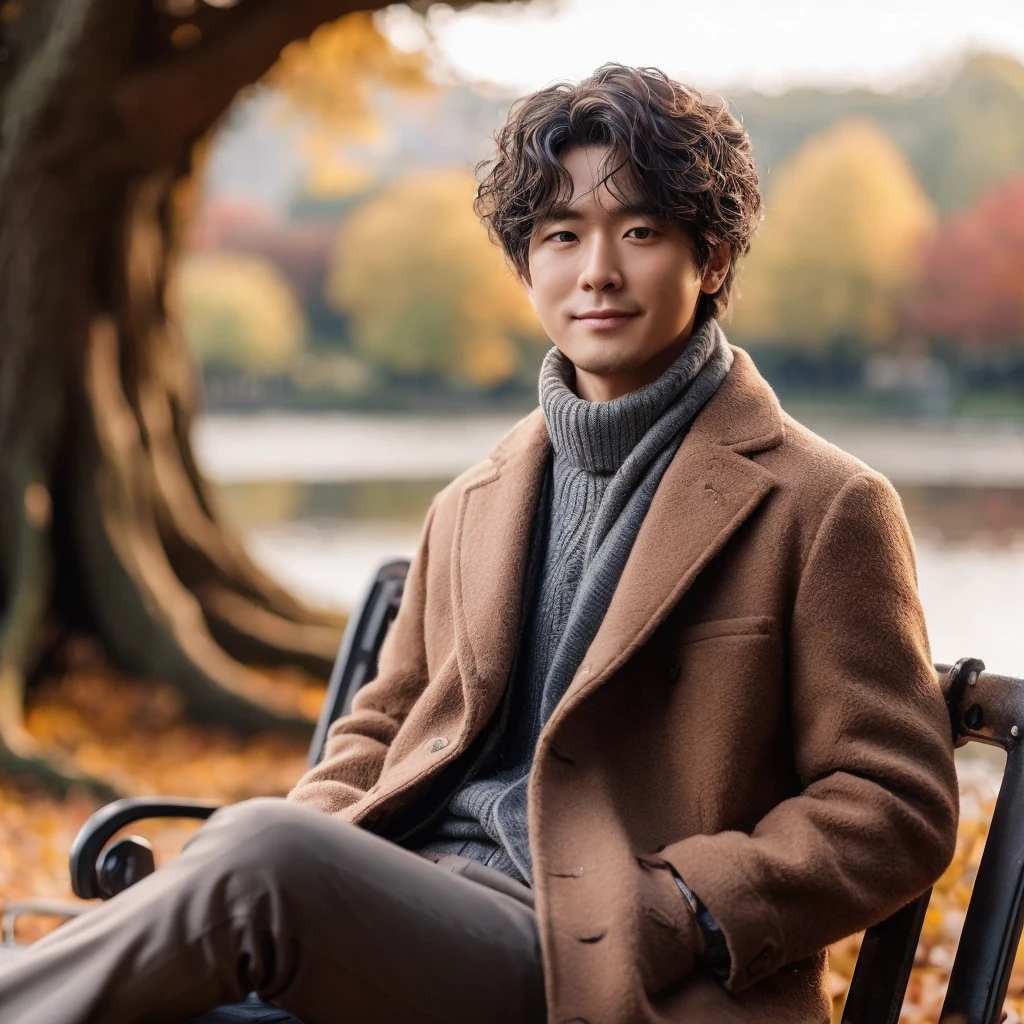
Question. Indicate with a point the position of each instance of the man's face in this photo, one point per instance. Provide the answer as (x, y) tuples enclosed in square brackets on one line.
[(596, 255)]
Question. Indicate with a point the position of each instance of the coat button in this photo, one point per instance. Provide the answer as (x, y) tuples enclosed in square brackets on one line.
[(438, 744)]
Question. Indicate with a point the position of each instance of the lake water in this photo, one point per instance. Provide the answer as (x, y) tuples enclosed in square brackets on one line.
[(324, 500)]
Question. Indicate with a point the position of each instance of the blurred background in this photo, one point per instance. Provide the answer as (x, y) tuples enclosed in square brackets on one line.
[(358, 341)]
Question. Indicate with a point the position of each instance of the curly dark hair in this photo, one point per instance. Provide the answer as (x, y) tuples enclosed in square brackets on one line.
[(686, 153)]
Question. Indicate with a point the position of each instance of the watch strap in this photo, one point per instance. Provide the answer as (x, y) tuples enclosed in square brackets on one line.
[(716, 956)]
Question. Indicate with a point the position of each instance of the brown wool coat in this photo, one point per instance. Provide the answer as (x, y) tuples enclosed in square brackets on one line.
[(758, 710)]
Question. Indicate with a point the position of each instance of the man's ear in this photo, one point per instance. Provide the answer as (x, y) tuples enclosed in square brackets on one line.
[(717, 268)]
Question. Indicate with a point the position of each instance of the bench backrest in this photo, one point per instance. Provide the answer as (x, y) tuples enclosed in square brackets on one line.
[(356, 664), (983, 707)]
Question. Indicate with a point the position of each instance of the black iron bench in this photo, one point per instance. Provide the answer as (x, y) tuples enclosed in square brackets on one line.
[(984, 707)]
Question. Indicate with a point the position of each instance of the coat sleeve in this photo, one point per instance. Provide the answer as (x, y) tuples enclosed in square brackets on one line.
[(358, 742), (875, 822)]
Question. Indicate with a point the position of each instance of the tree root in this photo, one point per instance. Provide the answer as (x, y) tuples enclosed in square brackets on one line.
[(256, 620), (22, 637), (55, 772), (152, 623), (251, 616), (256, 636), (200, 543)]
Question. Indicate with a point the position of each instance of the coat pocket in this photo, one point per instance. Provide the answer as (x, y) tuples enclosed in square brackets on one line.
[(747, 625), (728, 708)]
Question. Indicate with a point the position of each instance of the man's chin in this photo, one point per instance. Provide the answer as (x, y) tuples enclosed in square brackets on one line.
[(608, 371), (607, 364)]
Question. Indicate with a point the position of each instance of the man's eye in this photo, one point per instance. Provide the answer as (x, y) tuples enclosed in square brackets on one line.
[(644, 234), (562, 236)]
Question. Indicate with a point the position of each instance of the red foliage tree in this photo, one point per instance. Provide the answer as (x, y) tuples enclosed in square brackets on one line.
[(972, 282), (300, 251)]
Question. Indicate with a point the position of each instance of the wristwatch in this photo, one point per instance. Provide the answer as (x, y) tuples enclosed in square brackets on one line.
[(716, 956)]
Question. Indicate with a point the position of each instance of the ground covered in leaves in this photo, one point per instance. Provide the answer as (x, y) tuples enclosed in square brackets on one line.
[(134, 735)]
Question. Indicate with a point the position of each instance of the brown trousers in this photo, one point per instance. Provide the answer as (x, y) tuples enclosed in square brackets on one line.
[(318, 917)]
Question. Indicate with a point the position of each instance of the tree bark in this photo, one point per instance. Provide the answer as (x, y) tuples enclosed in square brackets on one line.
[(106, 523)]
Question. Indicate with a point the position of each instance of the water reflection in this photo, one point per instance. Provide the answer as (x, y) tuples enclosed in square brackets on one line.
[(948, 515), (271, 503), (966, 515), (325, 540)]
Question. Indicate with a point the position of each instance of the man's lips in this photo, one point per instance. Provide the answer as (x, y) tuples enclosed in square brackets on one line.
[(605, 317)]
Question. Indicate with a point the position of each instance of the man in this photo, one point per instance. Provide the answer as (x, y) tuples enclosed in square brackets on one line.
[(656, 721)]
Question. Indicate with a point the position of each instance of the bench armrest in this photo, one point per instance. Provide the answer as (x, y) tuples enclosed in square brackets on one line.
[(94, 835)]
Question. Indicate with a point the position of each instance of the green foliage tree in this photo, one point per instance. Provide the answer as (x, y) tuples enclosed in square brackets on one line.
[(845, 222), (426, 290), (984, 143), (239, 313)]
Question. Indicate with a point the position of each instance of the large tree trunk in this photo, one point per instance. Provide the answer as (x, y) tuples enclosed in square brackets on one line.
[(106, 524)]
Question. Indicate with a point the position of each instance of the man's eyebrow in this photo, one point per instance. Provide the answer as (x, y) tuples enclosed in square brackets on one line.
[(563, 211), (560, 211), (639, 209)]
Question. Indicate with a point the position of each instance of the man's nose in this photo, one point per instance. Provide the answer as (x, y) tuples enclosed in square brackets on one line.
[(601, 268)]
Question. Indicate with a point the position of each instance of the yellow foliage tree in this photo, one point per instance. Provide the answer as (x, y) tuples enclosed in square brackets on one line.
[(328, 80), (839, 248), (239, 312), (330, 76), (426, 290)]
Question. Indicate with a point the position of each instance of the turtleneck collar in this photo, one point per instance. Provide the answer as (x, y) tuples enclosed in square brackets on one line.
[(598, 436)]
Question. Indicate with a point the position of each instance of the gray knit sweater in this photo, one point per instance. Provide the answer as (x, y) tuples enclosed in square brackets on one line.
[(608, 458)]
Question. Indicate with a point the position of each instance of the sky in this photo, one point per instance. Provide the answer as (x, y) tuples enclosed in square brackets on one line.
[(716, 44)]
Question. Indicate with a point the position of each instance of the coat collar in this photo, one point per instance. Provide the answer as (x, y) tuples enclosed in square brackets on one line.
[(709, 489), (492, 532), (743, 415)]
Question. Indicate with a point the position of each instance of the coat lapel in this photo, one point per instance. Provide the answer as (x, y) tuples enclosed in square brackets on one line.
[(491, 543), (708, 491)]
